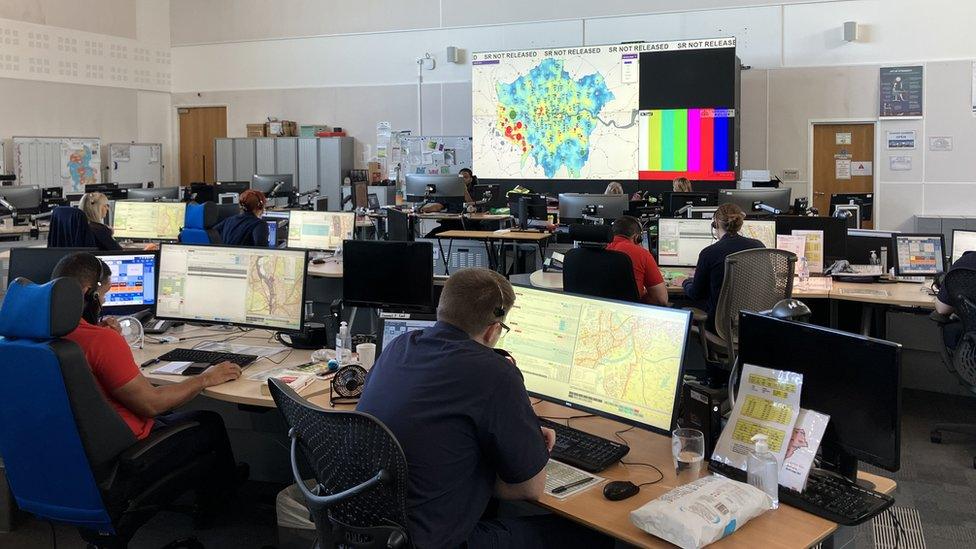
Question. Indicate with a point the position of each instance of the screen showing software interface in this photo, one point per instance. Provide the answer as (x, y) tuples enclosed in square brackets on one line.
[(680, 241), (920, 255), (258, 286), (393, 329), (962, 242), (133, 280), (320, 230), (617, 358), (148, 220)]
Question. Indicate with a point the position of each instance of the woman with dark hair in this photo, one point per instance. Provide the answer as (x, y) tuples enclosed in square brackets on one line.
[(246, 228), (710, 272)]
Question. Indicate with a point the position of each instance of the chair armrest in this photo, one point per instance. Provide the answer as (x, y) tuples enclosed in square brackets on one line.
[(942, 319), (156, 447), (698, 316)]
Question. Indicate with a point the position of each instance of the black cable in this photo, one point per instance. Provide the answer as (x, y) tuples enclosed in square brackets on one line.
[(638, 463), (898, 528), (54, 535)]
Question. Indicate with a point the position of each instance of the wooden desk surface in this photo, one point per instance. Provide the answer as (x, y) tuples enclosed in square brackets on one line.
[(493, 235), (784, 527), (902, 294), (332, 268)]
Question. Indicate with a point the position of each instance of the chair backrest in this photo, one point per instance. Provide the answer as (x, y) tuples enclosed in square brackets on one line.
[(198, 223), (348, 452), (58, 435), (960, 285), (599, 272), (755, 280), (599, 234), (69, 229)]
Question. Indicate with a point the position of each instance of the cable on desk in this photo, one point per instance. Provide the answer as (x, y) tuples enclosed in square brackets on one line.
[(536, 402), (566, 418), (638, 463)]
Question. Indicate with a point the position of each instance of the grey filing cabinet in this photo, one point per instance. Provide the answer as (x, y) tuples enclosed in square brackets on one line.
[(315, 163), (944, 224)]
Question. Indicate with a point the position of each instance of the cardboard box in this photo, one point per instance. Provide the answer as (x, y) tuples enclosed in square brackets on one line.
[(255, 130), (312, 130), (375, 172), (281, 128)]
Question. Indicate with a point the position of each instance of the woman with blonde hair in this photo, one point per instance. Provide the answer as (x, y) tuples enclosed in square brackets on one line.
[(614, 188), (710, 272), (681, 185), (95, 207)]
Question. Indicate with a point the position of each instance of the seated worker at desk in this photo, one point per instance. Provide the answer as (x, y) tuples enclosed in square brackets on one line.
[(95, 208), (627, 237), (710, 271), (681, 185), (246, 228), (142, 406), (460, 411), (469, 182), (952, 332)]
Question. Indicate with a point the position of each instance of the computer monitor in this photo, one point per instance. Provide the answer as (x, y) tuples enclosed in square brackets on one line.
[(273, 184), (763, 230), (130, 186), (757, 201), (387, 275), (202, 192), (373, 201), (133, 281), (675, 202), (573, 206), (320, 230), (481, 191), (834, 231), (610, 358), (861, 242), (446, 186), (222, 187), (251, 287), (154, 194), (148, 220), (854, 379), (25, 199), (528, 206), (680, 241), (399, 226), (392, 328), (864, 200), (962, 242), (36, 264), (919, 254)]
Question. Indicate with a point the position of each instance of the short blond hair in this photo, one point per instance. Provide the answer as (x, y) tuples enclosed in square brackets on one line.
[(473, 299), (681, 185), (614, 188), (91, 204)]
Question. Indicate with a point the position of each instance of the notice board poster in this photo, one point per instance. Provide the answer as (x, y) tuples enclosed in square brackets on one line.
[(901, 92)]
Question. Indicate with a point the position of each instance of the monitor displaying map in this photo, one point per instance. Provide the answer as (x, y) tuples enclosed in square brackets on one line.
[(654, 111), (257, 287), (620, 360), (148, 220)]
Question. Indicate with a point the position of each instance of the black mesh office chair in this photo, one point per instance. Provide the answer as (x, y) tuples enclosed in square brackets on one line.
[(592, 270), (959, 341), (755, 280), (359, 500)]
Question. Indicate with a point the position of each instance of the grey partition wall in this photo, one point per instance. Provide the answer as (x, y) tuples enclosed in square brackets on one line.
[(308, 164), (224, 159), (243, 159), (286, 156), (335, 159), (264, 155)]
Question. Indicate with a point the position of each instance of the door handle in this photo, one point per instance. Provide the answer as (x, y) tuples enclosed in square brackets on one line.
[(818, 194)]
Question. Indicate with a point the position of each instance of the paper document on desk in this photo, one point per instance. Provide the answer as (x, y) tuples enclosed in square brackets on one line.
[(256, 350), (807, 434), (814, 249), (172, 368), (871, 292), (559, 474), (768, 402)]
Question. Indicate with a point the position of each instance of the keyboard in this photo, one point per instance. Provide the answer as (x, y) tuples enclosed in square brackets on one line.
[(911, 279), (206, 357), (588, 452), (827, 496)]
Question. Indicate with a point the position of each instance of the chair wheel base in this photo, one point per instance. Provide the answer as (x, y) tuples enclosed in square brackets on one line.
[(935, 437)]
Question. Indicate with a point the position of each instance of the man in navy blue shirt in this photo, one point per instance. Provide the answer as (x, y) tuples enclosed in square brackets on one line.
[(460, 411), (954, 331)]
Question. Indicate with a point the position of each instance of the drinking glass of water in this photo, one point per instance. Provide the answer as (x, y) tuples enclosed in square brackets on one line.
[(688, 451)]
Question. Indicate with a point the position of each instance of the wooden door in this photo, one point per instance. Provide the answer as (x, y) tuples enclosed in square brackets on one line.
[(199, 126), (843, 156)]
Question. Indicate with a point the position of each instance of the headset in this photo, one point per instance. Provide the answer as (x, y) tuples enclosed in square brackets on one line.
[(499, 311), (93, 305)]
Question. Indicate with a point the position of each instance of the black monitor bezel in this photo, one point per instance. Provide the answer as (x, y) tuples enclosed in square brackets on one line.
[(301, 316), (600, 413), (897, 265), (118, 310), (383, 305), (952, 252), (399, 317)]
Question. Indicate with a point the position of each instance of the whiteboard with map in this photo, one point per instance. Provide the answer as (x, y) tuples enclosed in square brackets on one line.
[(67, 162)]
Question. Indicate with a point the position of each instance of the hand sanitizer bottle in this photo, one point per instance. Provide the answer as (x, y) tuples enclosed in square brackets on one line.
[(763, 469)]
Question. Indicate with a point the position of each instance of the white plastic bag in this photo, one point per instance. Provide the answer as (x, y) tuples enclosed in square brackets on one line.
[(701, 512)]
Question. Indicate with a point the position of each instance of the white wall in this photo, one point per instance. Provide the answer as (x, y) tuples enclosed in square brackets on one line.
[(98, 68)]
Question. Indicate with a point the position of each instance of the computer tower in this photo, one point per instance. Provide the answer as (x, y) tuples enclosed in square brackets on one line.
[(701, 408)]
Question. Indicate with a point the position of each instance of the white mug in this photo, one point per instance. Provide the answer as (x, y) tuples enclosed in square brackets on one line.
[(367, 354)]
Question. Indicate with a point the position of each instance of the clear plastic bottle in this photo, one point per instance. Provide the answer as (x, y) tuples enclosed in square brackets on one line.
[(342, 342), (884, 260), (763, 469), (803, 270), (874, 260)]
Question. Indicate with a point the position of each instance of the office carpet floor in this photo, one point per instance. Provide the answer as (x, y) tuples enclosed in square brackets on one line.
[(937, 480)]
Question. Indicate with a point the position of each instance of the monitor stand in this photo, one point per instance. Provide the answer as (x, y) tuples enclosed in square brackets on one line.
[(844, 464)]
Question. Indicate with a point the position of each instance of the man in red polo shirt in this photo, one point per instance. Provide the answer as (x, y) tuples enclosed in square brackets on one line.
[(627, 239), (142, 406)]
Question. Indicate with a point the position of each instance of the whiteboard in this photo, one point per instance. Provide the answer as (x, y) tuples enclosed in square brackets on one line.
[(135, 163), (66, 162), (434, 154)]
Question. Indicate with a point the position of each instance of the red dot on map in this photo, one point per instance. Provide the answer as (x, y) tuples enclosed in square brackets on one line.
[(518, 125)]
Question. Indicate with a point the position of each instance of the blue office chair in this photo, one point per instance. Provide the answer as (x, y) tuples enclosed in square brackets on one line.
[(69, 457), (69, 229), (198, 224)]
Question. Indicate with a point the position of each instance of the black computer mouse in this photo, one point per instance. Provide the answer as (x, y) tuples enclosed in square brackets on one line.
[(620, 489), (318, 261)]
